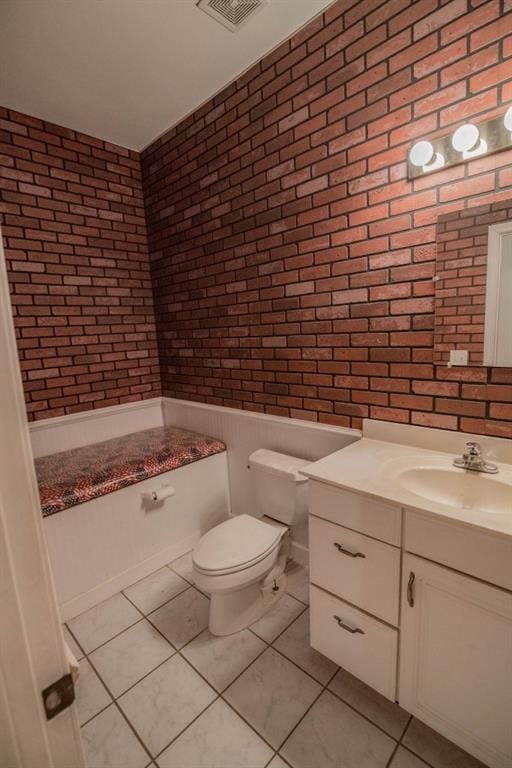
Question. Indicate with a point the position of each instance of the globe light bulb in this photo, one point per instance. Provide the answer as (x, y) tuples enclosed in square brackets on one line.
[(507, 120), (421, 153), (465, 137)]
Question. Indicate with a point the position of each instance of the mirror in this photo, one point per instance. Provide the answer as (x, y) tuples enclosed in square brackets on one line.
[(473, 287)]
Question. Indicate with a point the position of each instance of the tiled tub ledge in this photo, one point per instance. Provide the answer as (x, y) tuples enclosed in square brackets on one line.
[(73, 477), (111, 532)]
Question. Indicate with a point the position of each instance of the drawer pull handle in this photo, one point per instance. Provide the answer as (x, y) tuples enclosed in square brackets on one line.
[(347, 551), (410, 585), (352, 630)]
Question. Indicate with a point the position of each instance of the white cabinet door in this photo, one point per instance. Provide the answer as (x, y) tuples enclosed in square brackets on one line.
[(456, 658)]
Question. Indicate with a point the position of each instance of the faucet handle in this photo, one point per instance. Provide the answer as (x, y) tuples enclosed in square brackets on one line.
[(473, 449)]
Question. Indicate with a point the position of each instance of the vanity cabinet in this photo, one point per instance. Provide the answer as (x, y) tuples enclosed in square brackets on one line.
[(420, 608), (456, 658)]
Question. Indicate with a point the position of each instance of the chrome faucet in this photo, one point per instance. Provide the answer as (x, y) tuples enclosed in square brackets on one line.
[(472, 459)]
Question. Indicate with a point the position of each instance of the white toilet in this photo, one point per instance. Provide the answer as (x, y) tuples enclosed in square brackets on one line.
[(241, 562)]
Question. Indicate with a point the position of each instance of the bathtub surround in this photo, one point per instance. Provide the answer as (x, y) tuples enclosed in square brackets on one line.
[(292, 259), (76, 247)]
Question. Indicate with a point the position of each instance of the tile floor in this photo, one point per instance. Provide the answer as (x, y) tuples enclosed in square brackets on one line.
[(157, 690)]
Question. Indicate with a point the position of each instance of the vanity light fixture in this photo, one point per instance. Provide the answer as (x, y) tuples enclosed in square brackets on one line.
[(466, 142)]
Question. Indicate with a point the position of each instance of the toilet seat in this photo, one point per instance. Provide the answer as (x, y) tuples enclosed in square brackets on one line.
[(236, 544)]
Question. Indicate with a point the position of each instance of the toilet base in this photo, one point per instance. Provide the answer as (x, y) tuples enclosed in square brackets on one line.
[(231, 612)]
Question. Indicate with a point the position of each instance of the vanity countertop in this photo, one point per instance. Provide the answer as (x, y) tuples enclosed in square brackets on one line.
[(421, 479)]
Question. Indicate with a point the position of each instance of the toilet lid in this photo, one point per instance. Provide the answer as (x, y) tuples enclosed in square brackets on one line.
[(235, 544)]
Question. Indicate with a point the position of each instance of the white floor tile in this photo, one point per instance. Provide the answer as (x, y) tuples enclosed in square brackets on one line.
[(435, 749), (165, 702), (278, 618), (277, 762), (183, 567), (298, 582), (391, 718), (332, 735), (101, 623), (217, 739), (109, 742), (221, 659), (91, 695), (131, 655), (405, 759), (183, 617), (156, 589), (294, 643), (73, 645), (272, 695)]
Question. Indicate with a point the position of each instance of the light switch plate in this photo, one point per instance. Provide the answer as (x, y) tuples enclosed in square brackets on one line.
[(458, 357)]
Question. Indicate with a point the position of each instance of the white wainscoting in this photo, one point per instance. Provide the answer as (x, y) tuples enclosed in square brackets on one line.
[(99, 547), (62, 433), (104, 545), (244, 432)]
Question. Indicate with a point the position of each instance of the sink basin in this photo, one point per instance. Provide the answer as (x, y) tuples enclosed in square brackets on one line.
[(457, 488)]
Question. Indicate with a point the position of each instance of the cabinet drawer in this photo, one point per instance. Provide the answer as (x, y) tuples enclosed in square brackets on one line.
[(376, 518), (363, 646), (359, 569), (471, 550)]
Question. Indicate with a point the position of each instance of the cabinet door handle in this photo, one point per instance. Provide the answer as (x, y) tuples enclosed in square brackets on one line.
[(347, 551), (352, 630), (410, 585)]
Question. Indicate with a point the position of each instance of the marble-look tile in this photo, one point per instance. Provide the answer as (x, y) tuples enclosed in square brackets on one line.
[(297, 581), (389, 716), (405, 759), (278, 618), (91, 696), (129, 656), (277, 762), (217, 739), (165, 702), (332, 735), (435, 749), (272, 695), (101, 623), (183, 617), (109, 742), (294, 643), (156, 589), (72, 643), (221, 659), (183, 567)]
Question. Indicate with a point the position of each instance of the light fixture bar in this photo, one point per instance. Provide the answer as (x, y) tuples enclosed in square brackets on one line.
[(467, 141)]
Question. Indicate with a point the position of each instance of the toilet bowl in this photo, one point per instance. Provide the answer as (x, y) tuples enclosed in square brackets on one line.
[(241, 562)]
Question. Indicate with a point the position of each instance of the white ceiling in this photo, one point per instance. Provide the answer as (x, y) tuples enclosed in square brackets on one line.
[(126, 70)]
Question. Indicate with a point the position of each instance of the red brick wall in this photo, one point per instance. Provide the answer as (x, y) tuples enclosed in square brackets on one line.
[(292, 259), (461, 279), (76, 246)]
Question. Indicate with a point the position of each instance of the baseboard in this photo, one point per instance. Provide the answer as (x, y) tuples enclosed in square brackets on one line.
[(81, 603), (300, 554)]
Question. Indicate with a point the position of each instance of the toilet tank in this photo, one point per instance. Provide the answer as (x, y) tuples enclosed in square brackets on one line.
[(280, 491)]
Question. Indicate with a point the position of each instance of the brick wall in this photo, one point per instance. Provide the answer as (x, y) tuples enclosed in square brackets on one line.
[(292, 259), (76, 246), (461, 279)]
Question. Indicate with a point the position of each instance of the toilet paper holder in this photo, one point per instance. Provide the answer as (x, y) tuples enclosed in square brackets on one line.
[(160, 494)]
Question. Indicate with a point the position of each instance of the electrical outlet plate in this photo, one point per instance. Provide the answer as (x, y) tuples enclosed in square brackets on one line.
[(458, 357)]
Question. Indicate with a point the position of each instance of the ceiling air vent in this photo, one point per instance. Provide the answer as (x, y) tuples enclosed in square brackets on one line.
[(230, 13)]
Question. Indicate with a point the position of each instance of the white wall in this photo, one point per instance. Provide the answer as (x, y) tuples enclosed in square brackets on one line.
[(244, 432)]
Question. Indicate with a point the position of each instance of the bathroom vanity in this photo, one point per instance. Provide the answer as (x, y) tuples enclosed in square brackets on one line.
[(411, 579)]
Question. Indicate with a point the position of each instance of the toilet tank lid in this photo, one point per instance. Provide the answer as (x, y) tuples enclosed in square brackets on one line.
[(278, 464)]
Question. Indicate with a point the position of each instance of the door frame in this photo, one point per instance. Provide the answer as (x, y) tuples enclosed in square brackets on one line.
[(32, 654)]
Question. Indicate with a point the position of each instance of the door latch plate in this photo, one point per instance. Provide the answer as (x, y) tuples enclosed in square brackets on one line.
[(58, 696)]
